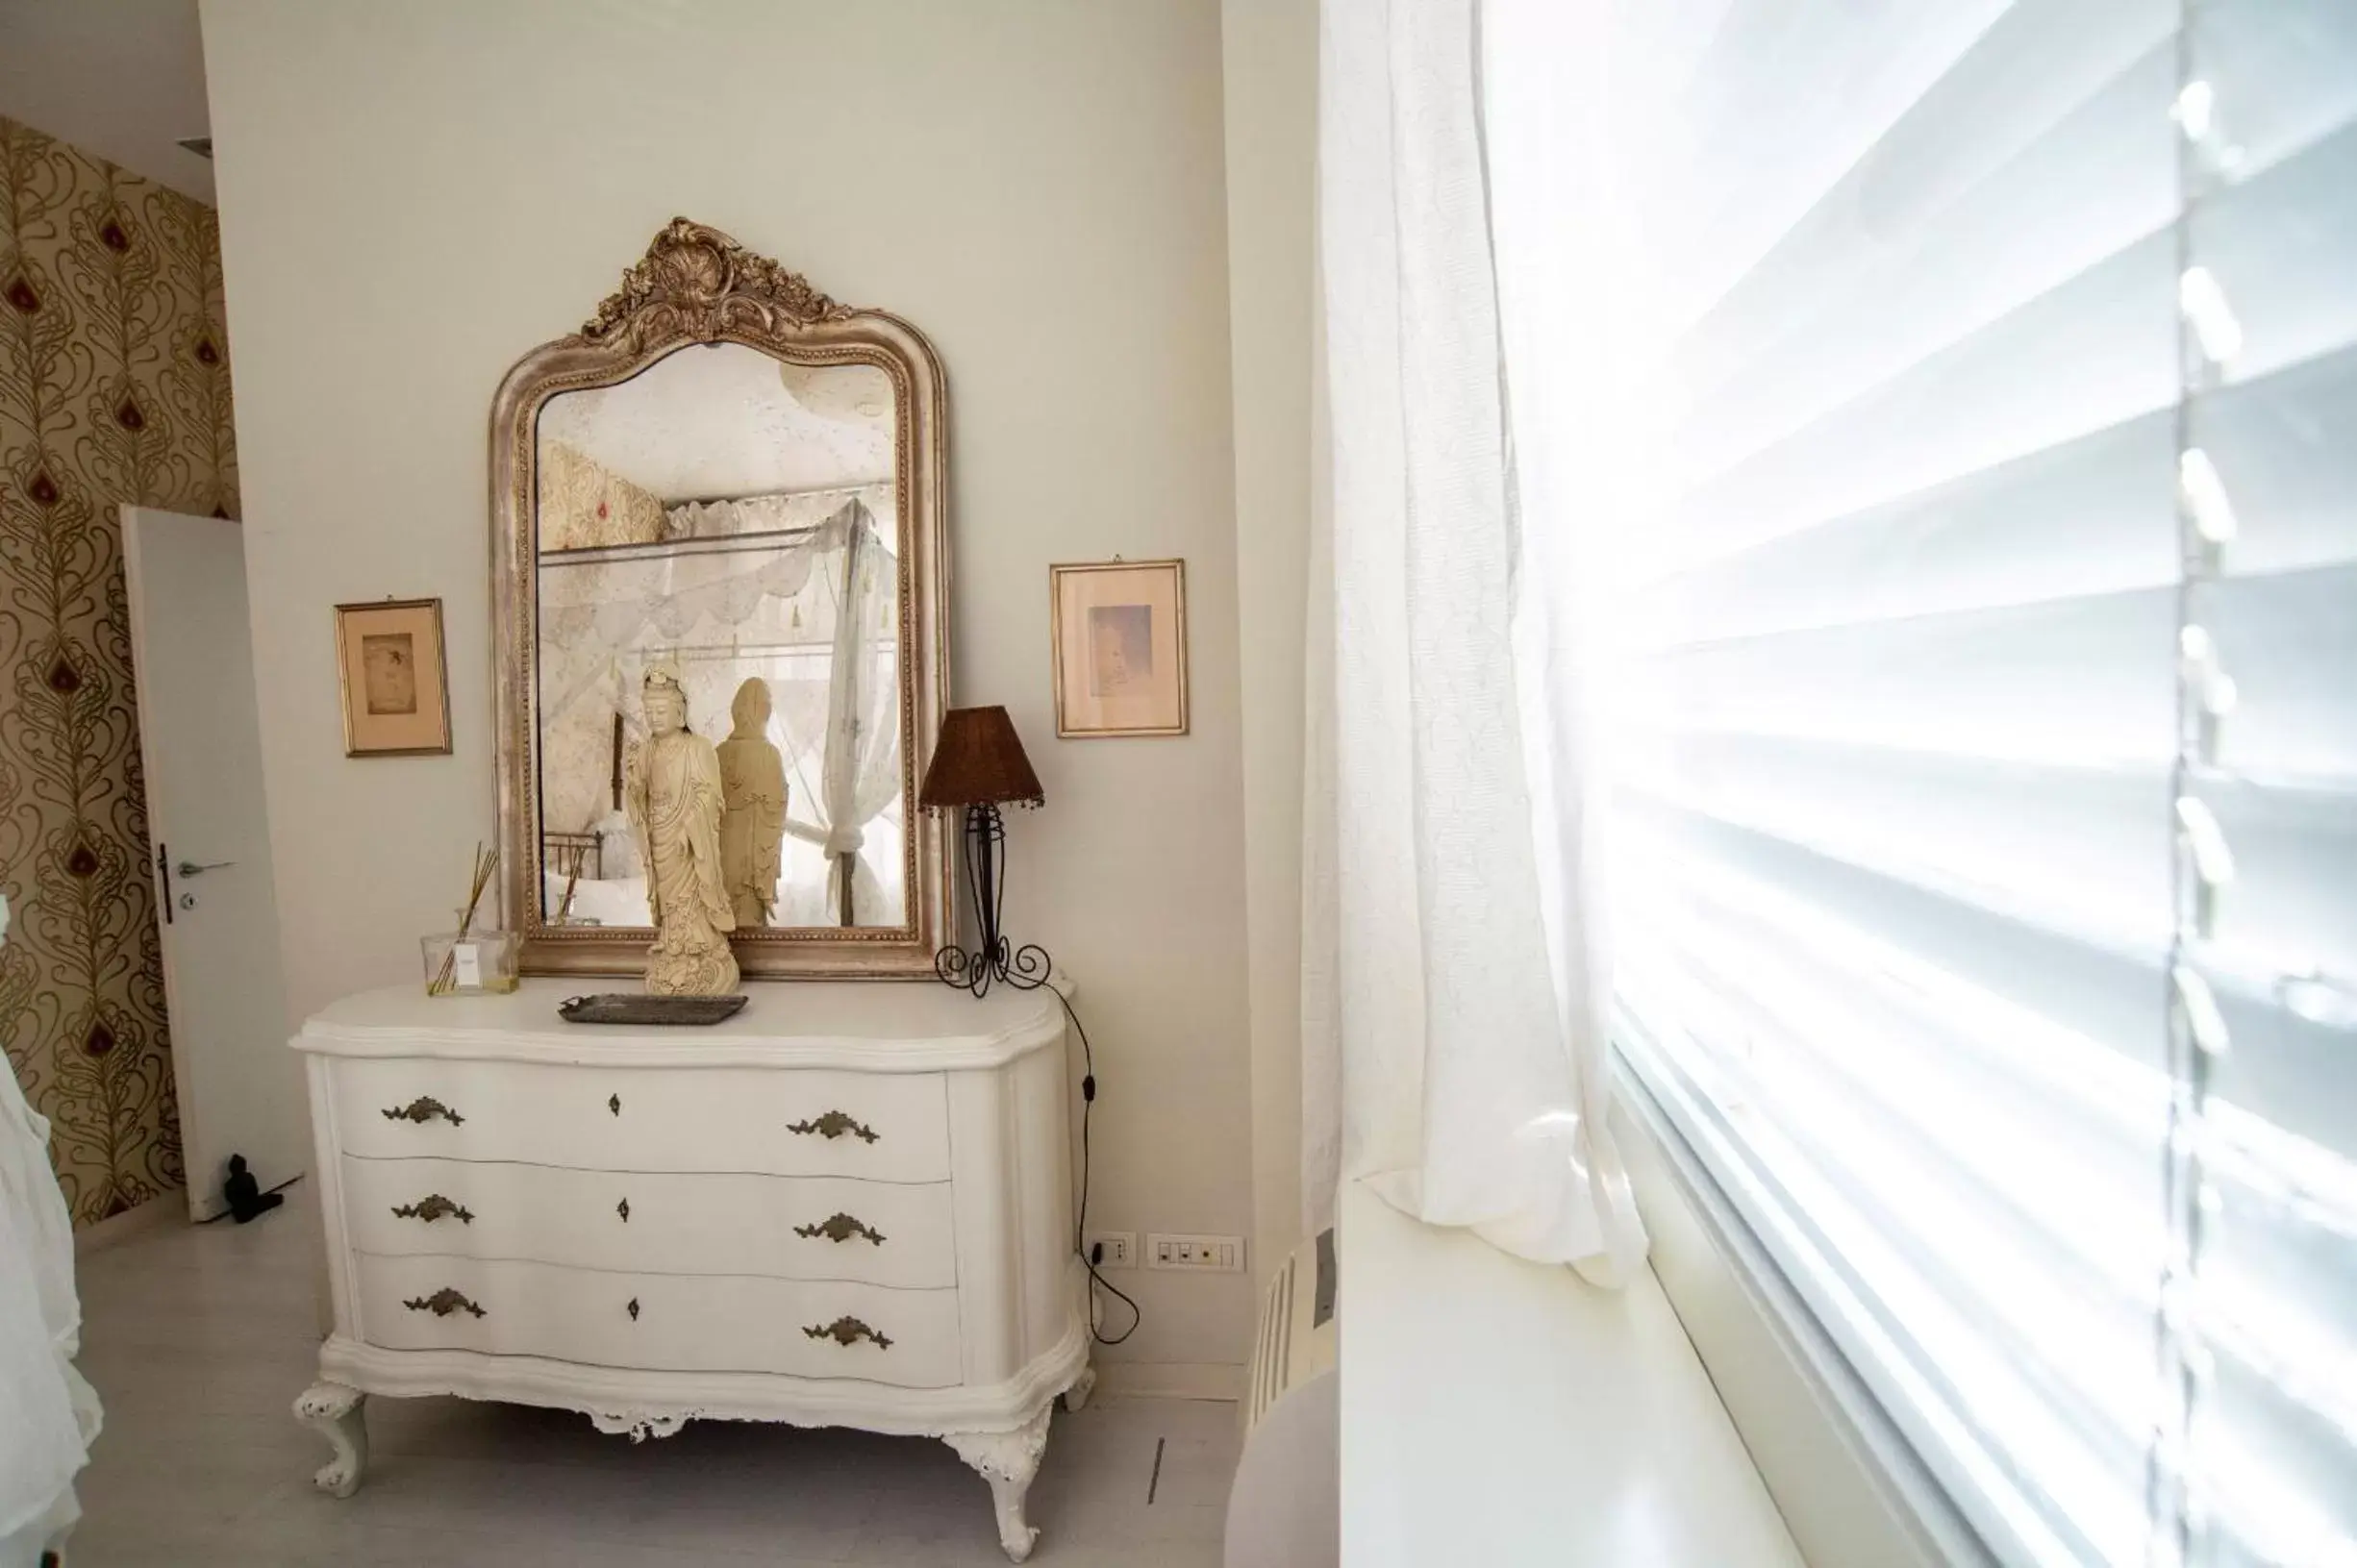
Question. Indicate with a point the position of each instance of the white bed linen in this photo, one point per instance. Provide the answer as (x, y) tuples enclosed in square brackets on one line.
[(48, 1414)]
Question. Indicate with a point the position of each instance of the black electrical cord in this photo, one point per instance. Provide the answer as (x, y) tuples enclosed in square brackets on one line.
[(1080, 1230)]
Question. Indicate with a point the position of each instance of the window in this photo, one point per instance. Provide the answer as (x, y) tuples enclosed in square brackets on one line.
[(1965, 396)]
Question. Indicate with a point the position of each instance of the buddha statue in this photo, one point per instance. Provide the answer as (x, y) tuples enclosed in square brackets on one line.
[(673, 799)]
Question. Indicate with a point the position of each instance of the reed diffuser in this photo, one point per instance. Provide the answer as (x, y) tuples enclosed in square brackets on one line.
[(470, 961), (572, 858)]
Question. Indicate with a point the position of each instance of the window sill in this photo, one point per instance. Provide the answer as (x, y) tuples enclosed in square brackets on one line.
[(1499, 1412)]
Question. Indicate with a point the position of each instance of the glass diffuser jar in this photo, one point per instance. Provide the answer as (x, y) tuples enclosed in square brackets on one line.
[(478, 963)]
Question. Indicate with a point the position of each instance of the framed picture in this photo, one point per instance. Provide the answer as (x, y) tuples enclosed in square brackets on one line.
[(396, 682), (1121, 636)]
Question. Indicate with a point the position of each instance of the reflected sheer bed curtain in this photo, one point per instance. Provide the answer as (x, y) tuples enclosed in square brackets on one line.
[(592, 608), (860, 772), (1453, 1038)]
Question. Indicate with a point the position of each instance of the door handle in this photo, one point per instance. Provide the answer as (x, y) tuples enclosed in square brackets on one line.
[(163, 869), (189, 868)]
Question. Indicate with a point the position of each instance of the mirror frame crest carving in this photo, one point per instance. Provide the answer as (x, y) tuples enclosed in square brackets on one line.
[(697, 285)]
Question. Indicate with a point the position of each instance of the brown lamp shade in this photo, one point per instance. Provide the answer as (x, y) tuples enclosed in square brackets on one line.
[(978, 760)]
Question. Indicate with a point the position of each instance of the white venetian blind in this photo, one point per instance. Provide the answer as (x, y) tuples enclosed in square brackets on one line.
[(1981, 455)]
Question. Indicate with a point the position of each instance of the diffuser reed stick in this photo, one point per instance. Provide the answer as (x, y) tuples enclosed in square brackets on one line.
[(445, 979), (576, 855)]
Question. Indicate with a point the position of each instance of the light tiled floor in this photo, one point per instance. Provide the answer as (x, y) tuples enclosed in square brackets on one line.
[(199, 1339)]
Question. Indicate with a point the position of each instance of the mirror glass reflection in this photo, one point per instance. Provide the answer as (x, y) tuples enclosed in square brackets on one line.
[(727, 522)]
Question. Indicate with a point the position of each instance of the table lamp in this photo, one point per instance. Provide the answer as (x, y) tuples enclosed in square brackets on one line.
[(979, 763)]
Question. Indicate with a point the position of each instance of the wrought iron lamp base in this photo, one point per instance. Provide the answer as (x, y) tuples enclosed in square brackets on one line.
[(994, 959)]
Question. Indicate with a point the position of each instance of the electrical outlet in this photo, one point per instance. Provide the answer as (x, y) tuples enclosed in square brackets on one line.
[(1112, 1249), (1217, 1255)]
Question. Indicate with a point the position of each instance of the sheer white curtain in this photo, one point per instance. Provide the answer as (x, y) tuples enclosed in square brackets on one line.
[(1453, 1040)]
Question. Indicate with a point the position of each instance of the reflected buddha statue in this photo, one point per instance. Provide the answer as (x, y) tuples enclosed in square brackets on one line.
[(753, 801)]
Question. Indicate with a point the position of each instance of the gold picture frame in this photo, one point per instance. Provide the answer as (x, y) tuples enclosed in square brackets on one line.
[(393, 675), (1119, 635)]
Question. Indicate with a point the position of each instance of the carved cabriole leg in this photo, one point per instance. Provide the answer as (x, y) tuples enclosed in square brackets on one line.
[(1076, 1397), (1008, 1461), (334, 1411)]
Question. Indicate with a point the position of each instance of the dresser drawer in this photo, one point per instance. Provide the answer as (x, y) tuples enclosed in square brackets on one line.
[(892, 1127), (681, 1323), (792, 1227)]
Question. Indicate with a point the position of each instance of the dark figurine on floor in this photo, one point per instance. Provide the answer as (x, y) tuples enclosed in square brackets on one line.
[(246, 1199)]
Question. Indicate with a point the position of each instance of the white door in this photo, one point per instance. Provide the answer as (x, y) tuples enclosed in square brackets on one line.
[(200, 742)]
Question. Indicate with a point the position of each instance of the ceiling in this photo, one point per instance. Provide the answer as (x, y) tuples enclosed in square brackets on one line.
[(122, 79), (729, 422)]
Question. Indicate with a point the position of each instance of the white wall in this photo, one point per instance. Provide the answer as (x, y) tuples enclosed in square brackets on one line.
[(1271, 67), (414, 195)]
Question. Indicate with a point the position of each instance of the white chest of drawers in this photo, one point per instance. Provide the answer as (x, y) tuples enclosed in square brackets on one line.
[(847, 1206)]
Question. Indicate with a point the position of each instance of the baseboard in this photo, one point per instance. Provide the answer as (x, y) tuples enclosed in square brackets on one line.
[(116, 1229), (1171, 1380)]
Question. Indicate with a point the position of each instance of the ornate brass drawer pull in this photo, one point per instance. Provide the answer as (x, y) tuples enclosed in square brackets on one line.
[(423, 1110), (847, 1331), (433, 1207), (443, 1303), (623, 1209), (634, 1309), (614, 1102), (834, 1124), (841, 1228)]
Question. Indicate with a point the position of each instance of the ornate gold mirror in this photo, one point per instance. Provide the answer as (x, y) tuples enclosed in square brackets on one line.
[(733, 483)]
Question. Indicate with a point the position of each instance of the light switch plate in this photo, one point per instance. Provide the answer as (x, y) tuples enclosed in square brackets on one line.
[(1214, 1255)]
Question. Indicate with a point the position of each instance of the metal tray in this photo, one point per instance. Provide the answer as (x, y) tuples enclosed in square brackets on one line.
[(629, 1008)]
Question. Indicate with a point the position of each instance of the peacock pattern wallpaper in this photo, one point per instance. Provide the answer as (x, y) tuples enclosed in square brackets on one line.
[(114, 388)]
